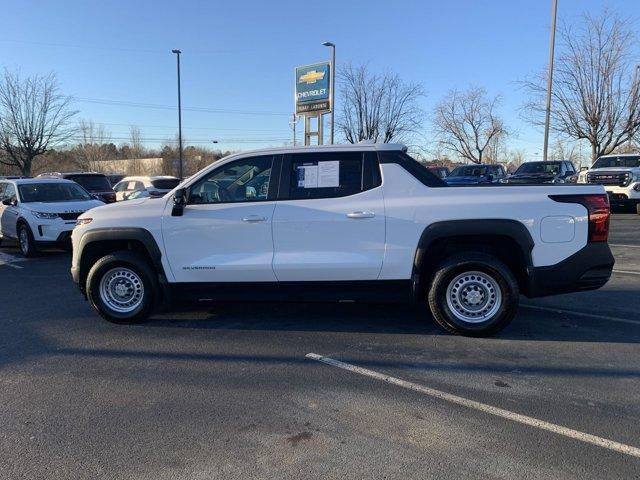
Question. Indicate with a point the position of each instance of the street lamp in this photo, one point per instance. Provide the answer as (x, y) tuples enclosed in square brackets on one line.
[(333, 83), (178, 52), (552, 42)]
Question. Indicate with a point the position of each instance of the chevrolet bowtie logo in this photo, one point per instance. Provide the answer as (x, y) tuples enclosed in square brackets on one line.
[(311, 77)]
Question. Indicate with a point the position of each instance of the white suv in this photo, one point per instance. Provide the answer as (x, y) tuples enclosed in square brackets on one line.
[(41, 212), (130, 188), (620, 175), (343, 223)]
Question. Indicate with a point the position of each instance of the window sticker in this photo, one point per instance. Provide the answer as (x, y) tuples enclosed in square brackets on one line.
[(321, 175), (328, 174)]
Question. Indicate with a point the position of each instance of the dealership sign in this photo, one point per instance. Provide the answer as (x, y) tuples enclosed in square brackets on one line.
[(313, 84)]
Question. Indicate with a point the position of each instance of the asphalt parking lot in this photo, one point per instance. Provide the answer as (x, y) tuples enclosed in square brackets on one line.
[(231, 392)]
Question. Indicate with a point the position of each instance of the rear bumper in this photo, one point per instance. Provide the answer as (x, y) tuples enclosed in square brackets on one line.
[(588, 269)]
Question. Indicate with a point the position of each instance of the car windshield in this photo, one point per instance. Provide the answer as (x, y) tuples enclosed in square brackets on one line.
[(539, 167), (470, 171), (92, 183), (165, 183), (609, 162), (52, 192)]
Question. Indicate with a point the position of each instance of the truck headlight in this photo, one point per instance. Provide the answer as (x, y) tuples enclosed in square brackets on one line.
[(45, 215), (83, 221)]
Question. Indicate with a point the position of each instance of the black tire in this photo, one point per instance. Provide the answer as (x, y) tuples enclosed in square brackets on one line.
[(493, 273), (28, 246), (638, 208), (117, 261)]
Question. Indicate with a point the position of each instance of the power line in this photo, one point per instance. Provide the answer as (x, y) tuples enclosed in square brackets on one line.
[(115, 49), (162, 140), (122, 103), (133, 124)]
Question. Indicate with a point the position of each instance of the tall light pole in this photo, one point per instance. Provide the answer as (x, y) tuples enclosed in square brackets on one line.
[(635, 94), (333, 84), (178, 52), (552, 42)]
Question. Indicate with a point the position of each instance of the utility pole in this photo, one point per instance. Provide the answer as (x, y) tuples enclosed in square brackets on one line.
[(180, 166), (333, 84), (635, 97), (552, 42), (293, 122)]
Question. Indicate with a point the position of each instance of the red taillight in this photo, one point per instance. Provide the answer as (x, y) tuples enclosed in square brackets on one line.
[(597, 206)]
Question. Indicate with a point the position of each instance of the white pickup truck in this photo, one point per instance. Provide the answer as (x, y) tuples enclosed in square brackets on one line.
[(620, 175), (343, 223)]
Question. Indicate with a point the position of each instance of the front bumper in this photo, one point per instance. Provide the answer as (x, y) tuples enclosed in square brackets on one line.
[(629, 195), (50, 232), (588, 269)]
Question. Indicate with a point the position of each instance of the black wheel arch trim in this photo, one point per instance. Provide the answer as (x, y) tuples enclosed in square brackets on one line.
[(141, 235), (512, 229)]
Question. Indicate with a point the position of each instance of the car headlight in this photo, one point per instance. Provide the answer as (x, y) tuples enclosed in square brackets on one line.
[(83, 221), (45, 215)]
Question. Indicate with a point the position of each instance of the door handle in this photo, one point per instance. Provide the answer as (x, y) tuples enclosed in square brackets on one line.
[(361, 215), (254, 218)]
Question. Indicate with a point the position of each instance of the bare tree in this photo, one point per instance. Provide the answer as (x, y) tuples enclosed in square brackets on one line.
[(34, 116), (93, 146), (135, 141), (594, 96), (516, 158), (375, 107), (466, 123)]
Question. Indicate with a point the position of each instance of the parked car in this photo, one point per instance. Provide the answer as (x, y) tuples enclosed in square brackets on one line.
[(96, 184), (440, 172), (41, 212), (130, 188), (114, 178), (475, 175), (343, 222), (543, 172), (620, 175)]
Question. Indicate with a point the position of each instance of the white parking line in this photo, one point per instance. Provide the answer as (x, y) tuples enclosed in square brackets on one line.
[(582, 314), (626, 272), (483, 407), (9, 260), (624, 246)]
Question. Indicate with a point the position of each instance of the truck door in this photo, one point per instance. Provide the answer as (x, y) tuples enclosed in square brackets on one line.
[(329, 221), (224, 234)]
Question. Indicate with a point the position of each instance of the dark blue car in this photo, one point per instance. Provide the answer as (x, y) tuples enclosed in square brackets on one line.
[(475, 175)]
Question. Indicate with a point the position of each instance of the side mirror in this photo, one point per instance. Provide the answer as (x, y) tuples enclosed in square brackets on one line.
[(179, 202), (10, 202)]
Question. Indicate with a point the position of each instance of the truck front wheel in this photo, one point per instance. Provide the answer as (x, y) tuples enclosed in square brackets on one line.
[(473, 294), (121, 287)]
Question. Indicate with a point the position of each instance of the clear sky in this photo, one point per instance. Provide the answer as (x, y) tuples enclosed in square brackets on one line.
[(238, 56)]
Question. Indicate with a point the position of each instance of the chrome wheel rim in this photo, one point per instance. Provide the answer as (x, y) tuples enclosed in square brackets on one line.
[(474, 297), (122, 290), (24, 240)]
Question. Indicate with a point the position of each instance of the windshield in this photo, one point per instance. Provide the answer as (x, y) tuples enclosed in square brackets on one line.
[(166, 183), (609, 162), (470, 171), (539, 167), (93, 183), (52, 192)]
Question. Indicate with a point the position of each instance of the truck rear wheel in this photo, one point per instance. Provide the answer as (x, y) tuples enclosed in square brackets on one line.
[(121, 287), (473, 294)]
